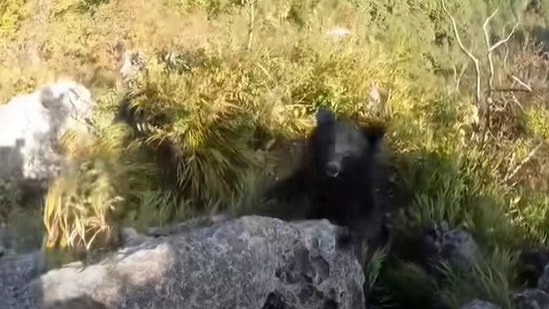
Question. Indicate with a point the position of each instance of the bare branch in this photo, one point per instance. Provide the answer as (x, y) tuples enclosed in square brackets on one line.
[(523, 84), (465, 50), (485, 99), (489, 52), (493, 47), (510, 90), (506, 39), (527, 159), (506, 57), (458, 77), (251, 22)]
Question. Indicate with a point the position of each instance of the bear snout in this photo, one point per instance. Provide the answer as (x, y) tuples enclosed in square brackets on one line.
[(333, 169)]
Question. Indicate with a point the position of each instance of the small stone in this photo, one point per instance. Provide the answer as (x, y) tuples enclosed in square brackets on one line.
[(530, 299), (479, 304)]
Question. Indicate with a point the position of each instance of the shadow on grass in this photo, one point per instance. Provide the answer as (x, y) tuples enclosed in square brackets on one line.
[(452, 188), (19, 203), (420, 189)]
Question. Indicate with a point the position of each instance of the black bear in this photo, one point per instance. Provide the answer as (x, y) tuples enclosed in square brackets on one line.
[(337, 173)]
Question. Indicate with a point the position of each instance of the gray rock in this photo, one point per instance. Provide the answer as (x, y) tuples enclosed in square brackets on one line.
[(459, 248), (456, 246), (15, 273), (480, 304), (531, 268), (530, 299), (543, 281), (131, 63), (249, 262), (32, 125)]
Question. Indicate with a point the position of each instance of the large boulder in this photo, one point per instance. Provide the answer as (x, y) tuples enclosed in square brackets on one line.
[(32, 125), (248, 262)]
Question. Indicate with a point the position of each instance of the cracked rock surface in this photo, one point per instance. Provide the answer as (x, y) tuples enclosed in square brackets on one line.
[(247, 262)]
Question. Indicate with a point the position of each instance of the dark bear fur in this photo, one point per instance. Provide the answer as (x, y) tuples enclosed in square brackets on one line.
[(337, 173)]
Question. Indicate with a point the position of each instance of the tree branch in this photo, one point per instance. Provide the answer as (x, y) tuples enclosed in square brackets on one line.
[(465, 50), (251, 22), (527, 159), (489, 53)]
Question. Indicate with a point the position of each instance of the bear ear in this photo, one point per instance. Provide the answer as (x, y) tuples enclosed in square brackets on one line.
[(324, 115)]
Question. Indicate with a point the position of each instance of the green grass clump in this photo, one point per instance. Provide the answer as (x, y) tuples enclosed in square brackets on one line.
[(202, 114), (224, 79)]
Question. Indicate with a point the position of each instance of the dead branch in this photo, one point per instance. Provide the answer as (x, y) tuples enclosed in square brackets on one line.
[(527, 159), (489, 53), (487, 102), (491, 48), (458, 77), (251, 22), (523, 84), (526, 87), (511, 90), (475, 60), (490, 89)]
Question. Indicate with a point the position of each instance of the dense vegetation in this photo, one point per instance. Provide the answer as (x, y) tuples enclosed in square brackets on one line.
[(226, 78)]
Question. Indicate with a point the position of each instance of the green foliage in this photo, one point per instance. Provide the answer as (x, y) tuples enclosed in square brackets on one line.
[(489, 280), (84, 202), (204, 116), (536, 121), (532, 212), (399, 278), (11, 13)]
